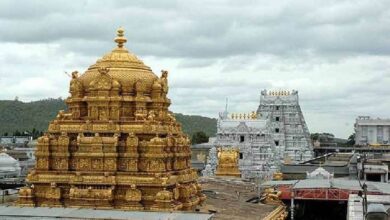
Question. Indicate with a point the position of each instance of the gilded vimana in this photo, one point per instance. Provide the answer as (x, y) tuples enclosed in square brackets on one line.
[(117, 146)]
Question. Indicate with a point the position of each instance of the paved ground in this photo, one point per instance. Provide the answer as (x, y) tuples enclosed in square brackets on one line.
[(228, 197)]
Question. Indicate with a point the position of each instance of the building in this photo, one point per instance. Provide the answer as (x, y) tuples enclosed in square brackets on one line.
[(15, 141), (276, 133), (378, 207), (288, 128), (338, 164), (370, 131), (250, 134), (25, 156), (200, 153), (9, 167), (117, 146), (329, 198), (374, 167)]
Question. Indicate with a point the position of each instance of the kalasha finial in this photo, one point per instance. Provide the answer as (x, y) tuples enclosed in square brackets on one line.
[(120, 39)]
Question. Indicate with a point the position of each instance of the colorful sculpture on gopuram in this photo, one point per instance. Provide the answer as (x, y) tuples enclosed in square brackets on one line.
[(117, 146)]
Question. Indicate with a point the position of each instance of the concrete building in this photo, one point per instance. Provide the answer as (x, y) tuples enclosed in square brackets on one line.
[(288, 128), (338, 164), (15, 140), (370, 131)]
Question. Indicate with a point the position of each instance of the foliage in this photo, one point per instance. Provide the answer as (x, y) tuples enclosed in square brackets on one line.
[(28, 117), (351, 140), (194, 123), (199, 137), (314, 136), (32, 118)]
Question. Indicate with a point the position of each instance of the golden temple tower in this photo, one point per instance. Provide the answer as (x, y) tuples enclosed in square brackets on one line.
[(117, 146)]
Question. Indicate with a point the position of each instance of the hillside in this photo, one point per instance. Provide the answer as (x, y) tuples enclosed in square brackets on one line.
[(25, 116)]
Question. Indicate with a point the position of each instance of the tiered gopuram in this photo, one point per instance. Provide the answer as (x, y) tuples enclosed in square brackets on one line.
[(117, 146)]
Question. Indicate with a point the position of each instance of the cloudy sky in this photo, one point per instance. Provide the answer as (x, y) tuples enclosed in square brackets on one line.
[(335, 53)]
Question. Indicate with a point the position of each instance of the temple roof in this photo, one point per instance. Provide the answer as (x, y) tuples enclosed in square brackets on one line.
[(123, 66)]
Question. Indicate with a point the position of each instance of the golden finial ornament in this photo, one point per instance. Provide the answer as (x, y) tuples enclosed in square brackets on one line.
[(120, 39)]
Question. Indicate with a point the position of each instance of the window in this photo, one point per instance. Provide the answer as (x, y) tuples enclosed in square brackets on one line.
[(276, 130), (277, 107), (277, 119), (242, 138), (364, 131), (241, 156), (277, 143), (379, 130)]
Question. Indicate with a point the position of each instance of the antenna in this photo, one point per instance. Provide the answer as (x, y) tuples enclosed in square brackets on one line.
[(226, 106)]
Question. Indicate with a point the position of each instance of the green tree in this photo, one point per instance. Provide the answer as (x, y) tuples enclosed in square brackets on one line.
[(314, 136), (35, 133), (17, 133), (351, 140), (199, 137), (25, 116)]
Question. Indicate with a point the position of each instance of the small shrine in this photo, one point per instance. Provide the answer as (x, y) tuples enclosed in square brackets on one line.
[(228, 162)]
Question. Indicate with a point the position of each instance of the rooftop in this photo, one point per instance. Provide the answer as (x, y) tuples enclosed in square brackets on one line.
[(375, 187), (13, 212)]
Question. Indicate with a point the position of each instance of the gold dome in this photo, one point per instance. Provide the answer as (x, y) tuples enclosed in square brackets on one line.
[(117, 146), (123, 66)]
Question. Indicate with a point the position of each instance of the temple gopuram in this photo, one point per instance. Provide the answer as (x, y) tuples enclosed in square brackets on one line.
[(117, 146)]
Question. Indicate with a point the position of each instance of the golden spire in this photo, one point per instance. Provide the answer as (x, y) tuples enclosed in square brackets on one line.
[(120, 39)]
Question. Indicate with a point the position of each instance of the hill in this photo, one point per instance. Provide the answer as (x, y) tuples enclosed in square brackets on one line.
[(26, 116)]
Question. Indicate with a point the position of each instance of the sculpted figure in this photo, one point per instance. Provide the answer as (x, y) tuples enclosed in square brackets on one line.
[(104, 81), (138, 88), (75, 87), (63, 116), (151, 115), (103, 114), (271, 196), (140, 114), (133, 194), (164, 81)]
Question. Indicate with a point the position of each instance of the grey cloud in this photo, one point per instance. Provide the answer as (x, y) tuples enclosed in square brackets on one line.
[(336, 53), (205, 29)]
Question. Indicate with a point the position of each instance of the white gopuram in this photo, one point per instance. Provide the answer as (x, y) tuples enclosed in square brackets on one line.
[(276, 133), (288, 127)]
